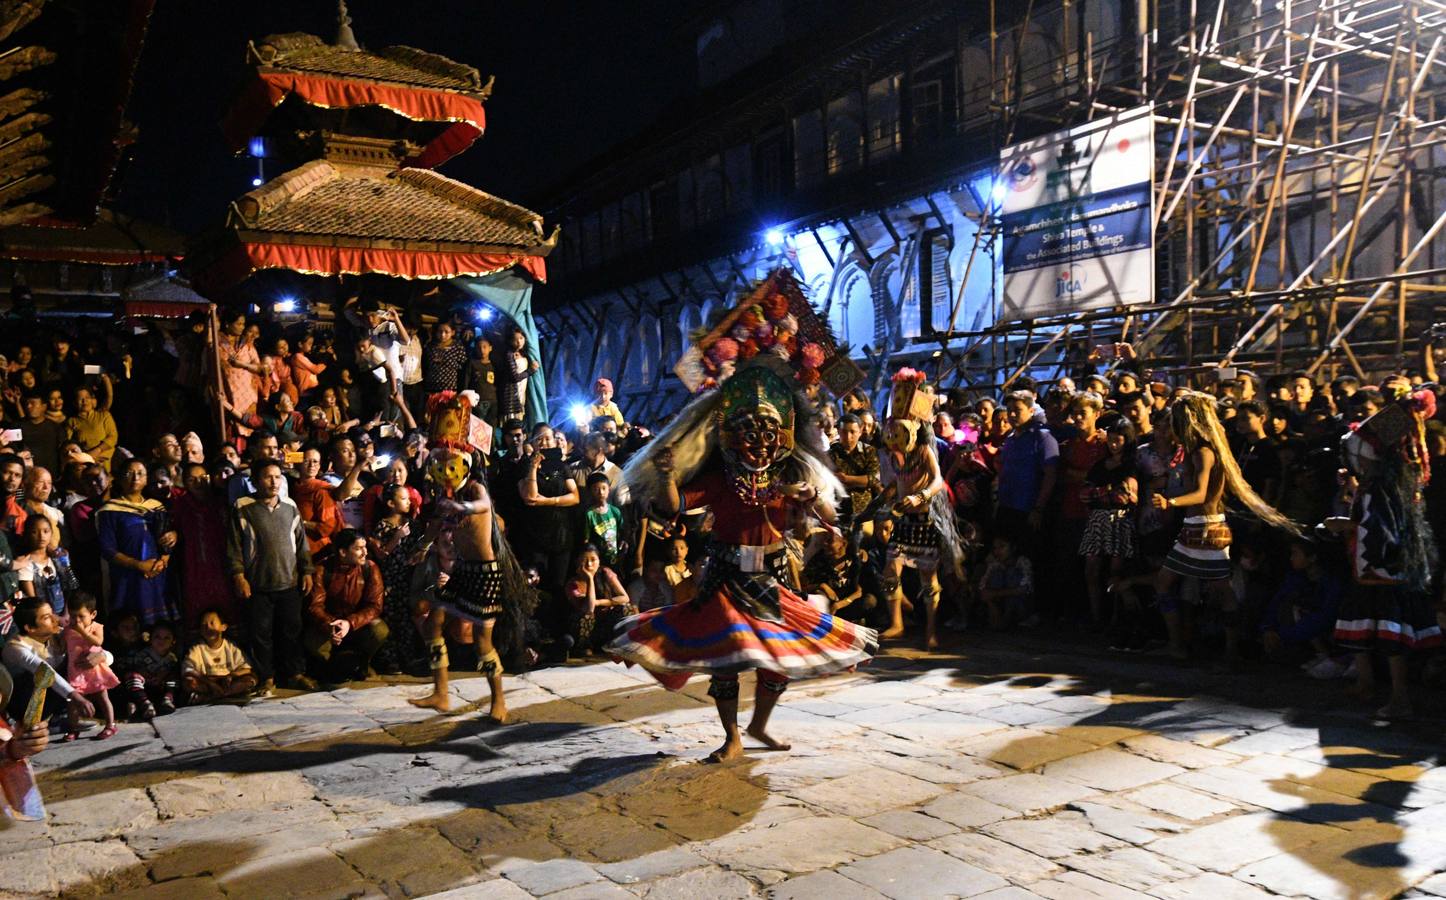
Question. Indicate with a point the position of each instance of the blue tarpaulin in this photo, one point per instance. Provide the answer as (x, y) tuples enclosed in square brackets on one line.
[(511, 295)]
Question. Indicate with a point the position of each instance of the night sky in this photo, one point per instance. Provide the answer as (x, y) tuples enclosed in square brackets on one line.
[(573, 79)]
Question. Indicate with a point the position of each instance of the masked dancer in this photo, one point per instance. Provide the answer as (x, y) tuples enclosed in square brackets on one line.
[(752, 453), (925, 535), (478, 578)]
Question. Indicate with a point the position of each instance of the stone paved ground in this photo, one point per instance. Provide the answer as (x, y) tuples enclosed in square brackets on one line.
[(997, 774)]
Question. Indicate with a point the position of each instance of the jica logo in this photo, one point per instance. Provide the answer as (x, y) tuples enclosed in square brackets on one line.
[(1069, 282)]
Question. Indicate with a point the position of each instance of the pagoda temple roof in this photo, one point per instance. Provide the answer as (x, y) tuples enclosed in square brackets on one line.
[(302, 83), (407, 205), (325, 218), (407, 66)]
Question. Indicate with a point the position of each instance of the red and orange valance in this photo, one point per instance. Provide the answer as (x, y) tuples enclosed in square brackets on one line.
[(270, 88), (238, 262)]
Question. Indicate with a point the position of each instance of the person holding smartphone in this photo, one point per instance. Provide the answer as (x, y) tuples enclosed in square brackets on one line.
[(549, 520), (92, 428)]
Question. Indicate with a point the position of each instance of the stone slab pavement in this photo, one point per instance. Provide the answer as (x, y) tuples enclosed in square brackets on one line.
[(993, 772)]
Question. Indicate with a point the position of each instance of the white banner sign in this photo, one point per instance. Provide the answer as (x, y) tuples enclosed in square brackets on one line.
[(1076, 212)]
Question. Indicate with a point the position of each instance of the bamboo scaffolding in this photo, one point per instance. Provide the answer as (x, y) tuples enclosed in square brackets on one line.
[(1303, 137)]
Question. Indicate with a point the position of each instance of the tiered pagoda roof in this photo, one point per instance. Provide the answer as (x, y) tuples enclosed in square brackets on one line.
[(302, 82), (322, 218), (410, 206), (371, 124), (398, 65)]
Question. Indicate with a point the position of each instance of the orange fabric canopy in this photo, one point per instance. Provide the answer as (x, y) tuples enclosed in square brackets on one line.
[(236, 264), (160, 309), (419, 104)]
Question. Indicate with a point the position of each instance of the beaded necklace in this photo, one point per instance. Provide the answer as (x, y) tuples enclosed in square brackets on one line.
[(754, 488)]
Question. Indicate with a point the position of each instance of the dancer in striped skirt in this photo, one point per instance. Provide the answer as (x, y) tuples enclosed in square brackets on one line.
[(751, 452), (1388, 606), (1201, 473)]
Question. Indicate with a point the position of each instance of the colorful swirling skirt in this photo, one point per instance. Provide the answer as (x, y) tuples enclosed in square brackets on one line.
[(713, 635)]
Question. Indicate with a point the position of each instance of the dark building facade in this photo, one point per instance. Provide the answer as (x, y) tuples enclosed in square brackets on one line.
[(858, 144)]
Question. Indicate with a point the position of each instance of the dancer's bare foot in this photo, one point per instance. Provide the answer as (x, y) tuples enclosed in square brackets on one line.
[(730, 750), (767, 740), (890, 634), (931, 643), (498, 713), (439, 701)]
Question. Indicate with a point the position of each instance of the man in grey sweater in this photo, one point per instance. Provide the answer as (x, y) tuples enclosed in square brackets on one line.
[(268, 559)]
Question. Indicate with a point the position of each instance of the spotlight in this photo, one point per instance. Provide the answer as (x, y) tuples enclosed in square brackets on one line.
[(483, 313), (999, 191), (257, 182), (285, 305), (774, 237), (580, 413)]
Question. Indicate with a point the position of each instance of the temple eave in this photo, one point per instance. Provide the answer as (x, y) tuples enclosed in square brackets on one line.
[(303, 239)]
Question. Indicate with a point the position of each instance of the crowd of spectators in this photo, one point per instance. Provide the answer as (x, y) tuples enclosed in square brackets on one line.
[(157, 554)]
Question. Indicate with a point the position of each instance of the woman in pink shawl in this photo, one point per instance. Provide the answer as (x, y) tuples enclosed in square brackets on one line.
[(242, 372)]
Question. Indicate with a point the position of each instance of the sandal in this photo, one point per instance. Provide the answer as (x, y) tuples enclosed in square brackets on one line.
[(107, 731), (71, 736)]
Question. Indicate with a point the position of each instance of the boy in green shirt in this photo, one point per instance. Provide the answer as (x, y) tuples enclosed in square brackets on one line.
[(602, 522)]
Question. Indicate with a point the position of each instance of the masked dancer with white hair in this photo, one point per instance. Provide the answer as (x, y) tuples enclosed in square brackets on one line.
[(751, 452)]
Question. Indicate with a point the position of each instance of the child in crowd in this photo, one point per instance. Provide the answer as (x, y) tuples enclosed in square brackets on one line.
[(651, 590), (88, 664), (394, 524), (123, 639), (392, 543), (151, 674), (1007, 585), (304, 371), (677, 570), (215, 668), (44, 572), (1303, 612), (835, 571), (602, 402), (874, 562), (1255, 578), (596, 595), (603, 522), (1111, 492)]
